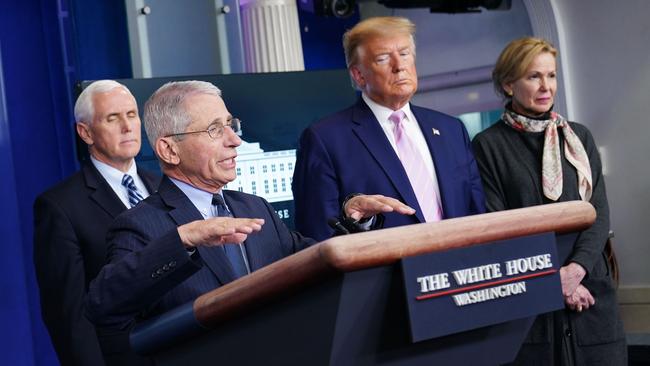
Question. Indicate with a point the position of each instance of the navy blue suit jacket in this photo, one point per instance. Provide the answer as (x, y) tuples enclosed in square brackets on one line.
[(150, 272), (348, 152), (70, 224)]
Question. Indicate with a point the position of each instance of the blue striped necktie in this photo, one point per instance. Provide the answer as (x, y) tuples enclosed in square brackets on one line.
[(234, 252), (134, 196)]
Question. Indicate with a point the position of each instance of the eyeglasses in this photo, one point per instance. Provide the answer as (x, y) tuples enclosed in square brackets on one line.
[(216, 131)]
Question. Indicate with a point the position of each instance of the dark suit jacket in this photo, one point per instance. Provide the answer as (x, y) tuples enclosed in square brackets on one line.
[(349, 152), (149, 270), (510, 163), (70, 224)]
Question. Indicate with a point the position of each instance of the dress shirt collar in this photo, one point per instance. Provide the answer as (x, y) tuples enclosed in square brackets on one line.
[(112, 175), (201, 199), (382, 113)]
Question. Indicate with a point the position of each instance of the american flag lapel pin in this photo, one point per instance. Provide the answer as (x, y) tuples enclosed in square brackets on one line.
[(435, 132)]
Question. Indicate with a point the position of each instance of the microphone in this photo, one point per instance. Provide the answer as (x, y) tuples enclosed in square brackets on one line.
[(335, 224)]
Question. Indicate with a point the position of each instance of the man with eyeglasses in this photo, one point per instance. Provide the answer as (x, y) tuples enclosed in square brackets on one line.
[(191, 236), (71, 220)]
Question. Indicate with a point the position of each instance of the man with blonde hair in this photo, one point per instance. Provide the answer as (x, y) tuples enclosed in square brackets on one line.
[(383, 144)]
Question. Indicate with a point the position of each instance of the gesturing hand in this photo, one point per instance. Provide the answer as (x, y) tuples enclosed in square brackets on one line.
[(217, 231), (364, 206)]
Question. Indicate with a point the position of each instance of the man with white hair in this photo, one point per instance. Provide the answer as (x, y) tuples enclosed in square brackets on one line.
[(71, 220), (192, 236)]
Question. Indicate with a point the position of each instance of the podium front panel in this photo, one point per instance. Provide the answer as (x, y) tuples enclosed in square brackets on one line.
[(462, 289)]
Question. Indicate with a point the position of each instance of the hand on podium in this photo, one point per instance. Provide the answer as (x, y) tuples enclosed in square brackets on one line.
[(363, 206), (361, 212)]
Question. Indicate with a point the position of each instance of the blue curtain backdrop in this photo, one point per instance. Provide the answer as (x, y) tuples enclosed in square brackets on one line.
[(36, 150), (16, 341), (41, 55)]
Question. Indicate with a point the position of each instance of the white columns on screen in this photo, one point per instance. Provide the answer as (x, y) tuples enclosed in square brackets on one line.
[(271, 35)]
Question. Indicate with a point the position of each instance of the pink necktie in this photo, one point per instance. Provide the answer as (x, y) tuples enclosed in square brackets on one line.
[(421, 180)]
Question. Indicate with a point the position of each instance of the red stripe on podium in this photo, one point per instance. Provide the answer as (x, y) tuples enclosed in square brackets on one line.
[(487, 284)]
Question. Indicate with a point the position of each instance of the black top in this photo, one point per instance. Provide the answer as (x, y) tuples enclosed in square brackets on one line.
[(510, 163), (70, 224)]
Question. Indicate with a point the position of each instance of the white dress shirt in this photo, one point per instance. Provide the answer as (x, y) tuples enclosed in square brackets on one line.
[(201, 199), (114, 178)]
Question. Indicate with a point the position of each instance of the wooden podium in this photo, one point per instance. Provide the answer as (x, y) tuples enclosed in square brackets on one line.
[(341, 301)]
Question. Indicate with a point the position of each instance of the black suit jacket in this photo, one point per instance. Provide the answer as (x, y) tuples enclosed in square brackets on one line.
[(71, 220), (150, 272)]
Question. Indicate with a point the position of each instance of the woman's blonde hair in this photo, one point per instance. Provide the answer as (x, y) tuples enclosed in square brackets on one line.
[(515, 60)]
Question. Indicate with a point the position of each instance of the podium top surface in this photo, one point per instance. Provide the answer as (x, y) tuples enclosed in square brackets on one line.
[(384, 247)]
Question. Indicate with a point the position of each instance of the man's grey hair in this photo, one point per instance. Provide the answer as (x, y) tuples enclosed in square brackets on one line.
[(165, 111), (84, 108)]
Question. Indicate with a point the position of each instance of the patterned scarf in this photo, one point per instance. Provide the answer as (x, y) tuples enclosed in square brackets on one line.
[(574, 152)]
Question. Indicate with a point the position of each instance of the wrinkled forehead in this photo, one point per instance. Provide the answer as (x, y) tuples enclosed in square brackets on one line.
[(116, 100), (205, 109)]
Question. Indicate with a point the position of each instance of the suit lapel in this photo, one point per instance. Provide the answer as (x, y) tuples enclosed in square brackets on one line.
[(182, 212), (151, 181), (101, 192), (373, 138), (442, 157)]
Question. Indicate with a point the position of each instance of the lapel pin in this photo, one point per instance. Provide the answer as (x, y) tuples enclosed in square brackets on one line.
[(435, 132)]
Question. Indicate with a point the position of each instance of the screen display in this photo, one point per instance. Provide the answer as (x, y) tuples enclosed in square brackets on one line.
[(274, 109)]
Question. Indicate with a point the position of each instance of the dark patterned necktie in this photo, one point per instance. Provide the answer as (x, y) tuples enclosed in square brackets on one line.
[(134, 196), (234, 252)]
